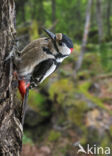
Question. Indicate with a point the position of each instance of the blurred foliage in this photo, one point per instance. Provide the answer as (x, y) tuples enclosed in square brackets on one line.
[(29, 13), (54, 135), (61, 89), (69, 111), (27, 140), (37, 101), (84, 90), (34, 31)]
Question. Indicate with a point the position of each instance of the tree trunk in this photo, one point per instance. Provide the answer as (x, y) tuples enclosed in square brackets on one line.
[(85, 37), (10, 112), (108, 18), (40, 15), (99, 20), (53, 13)]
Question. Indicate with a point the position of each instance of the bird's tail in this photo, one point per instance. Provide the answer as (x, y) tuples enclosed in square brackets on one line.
[(24, 104)]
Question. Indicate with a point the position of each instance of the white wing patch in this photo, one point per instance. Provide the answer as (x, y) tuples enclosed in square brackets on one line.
[(49, 72)]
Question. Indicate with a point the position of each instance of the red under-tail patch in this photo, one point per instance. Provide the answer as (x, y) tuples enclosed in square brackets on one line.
[(22, 87)]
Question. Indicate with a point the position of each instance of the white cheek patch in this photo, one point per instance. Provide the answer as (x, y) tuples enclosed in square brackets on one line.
[(65, 50), (49, 72)]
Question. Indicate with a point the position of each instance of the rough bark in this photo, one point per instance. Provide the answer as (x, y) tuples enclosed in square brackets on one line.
[(10, 112), (85, 37), (99, 20)]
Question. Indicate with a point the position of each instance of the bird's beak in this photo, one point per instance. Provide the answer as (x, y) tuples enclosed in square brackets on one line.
[(53, 37), (50, 34)]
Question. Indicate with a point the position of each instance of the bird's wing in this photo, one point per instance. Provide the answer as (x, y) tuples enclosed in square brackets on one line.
[(42, 71), (31, 58), (35, 43)]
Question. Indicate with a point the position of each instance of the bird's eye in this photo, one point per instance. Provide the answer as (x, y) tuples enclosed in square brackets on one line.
[(60, 43)]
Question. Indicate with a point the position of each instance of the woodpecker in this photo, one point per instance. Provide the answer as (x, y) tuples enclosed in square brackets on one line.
[(41, 58)]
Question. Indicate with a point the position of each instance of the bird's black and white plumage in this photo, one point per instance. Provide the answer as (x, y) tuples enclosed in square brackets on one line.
[(41, 57)]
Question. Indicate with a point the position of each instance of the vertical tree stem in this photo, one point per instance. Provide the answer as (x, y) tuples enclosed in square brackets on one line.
[(10, 112), (99, 20), (85, 37)]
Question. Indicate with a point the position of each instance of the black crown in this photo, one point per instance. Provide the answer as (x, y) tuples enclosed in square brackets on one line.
[(67, 41)]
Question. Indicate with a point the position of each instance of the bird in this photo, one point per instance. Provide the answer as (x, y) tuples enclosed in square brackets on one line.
[(41, 58)]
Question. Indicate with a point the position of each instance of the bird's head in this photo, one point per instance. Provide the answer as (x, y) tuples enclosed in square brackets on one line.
[(62, 43)]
